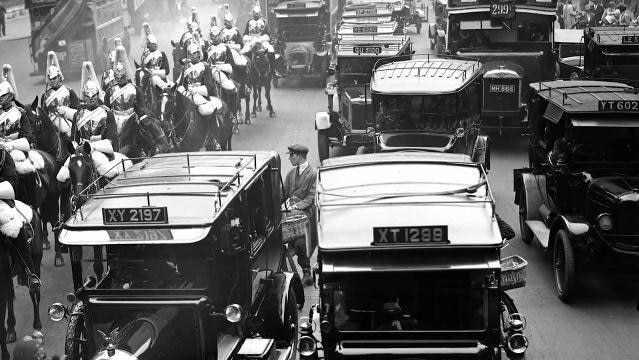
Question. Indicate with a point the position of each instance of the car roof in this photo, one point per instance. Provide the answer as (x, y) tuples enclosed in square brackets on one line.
[(356, 194), (569, 36), (432, 75), (581, 96), (614, 35), (194, 187)]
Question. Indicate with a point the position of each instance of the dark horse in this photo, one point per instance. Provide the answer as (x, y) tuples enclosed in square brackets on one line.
[(260, 76), (51, 141), (142, 138)]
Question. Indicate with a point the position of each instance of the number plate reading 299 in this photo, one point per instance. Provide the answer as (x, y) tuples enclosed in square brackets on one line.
[(407, 235), (502, 10), (141, 215)]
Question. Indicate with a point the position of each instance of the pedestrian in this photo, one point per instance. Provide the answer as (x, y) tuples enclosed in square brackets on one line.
[(610, 15), (591, 18), (570, 15), (626, 18), (560, 14), (3, 29), (299, 192), (599, 10)]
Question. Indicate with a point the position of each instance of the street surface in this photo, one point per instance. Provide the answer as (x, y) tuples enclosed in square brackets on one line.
[(601, 324)]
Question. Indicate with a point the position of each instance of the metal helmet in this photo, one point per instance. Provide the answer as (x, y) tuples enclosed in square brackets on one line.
[(147, 36), (90, 86), (54, 76), (121, 67), (8, 81), (194, 26), (215, 35), (194, 53), (228, 20), (195, 17), (256, 12)]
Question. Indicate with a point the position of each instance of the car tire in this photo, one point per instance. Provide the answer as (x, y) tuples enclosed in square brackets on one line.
[(73, 345), (563, 263), (290, 333), (322, 144), (527, 235)]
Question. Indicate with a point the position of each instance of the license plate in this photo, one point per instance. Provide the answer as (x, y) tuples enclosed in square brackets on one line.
[(502, 10), (364, 29), (140, 215), (500, 88), (141, 234), (619, 105), (630, 39), (365, 12), (401, 235), (367, 49)]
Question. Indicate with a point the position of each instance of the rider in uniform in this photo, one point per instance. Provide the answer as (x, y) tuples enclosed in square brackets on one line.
[(58, 97), (107, 77), (154, 59), (257, 31), (13, 120), (124, 98), (230, 34)]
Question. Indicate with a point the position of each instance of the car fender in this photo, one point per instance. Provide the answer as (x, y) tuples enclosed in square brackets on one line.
[(576, 225), (322, 120), (534, 186), (277, 297)]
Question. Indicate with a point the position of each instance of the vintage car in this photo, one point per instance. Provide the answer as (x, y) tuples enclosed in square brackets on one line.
[(367, 12), (569, 49), (403, 278), (612, 53), (427, 104), (303, 39), (579, 194), (349, 107), (193, 250)]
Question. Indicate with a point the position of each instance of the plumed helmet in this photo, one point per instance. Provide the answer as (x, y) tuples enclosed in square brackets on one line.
[(256, 11), (195, 17), (121, 66), (194, 26), (89, 81), (146, 34), (228, 19), (8, 82), (53, 66), (193, 52), (214, 31)]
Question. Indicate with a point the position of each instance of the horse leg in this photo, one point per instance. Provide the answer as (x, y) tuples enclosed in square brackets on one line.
[(59, 259), (36, 257), (256, 95), (10, 334), (269, 106), (4, 351), (46, 245), (98, 267), (259, 98), (247, 115)]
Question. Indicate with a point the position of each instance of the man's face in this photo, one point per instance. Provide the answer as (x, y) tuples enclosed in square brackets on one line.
[(228, 24), (294, 158), (152, 46), (256, 16), (55, 82)]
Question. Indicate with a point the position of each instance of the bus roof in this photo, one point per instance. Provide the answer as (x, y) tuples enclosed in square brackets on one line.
[(616, 35), (389, 191), (587, 97), (372, 45), (432, 75), (193, 187)]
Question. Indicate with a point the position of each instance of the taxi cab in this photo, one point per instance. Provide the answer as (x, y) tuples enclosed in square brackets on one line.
[(194, 249), (399, 276), (611, 53)]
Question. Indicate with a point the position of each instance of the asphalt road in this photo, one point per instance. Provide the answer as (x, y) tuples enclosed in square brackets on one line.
[(600, 324)]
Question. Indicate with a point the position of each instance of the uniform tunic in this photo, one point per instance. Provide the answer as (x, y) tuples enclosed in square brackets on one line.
[(124, 101), (231, 35), (63, 96), (155, 60), (197, 75), (15, 120), (98, 122), (256, 27)]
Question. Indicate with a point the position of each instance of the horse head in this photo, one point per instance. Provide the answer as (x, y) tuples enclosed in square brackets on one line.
[(143, 137), (82, 173), (48, 139)]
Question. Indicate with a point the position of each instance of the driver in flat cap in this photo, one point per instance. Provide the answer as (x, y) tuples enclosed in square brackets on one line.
[(299, 191)]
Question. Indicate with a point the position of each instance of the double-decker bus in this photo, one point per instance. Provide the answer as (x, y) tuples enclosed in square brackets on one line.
[(513, 39), (78, 30)]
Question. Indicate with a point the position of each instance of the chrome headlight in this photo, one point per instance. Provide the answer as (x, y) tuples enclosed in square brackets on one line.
[(306, 346), (604, 221), (517, 344), (233, 313), (57, 312)]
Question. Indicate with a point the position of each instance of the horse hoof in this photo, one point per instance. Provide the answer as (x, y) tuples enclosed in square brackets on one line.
[(11, 336), (253, 114), (271, 114), (248, 120), (259, 108), (58, 261), (46, 245), (240, 121)]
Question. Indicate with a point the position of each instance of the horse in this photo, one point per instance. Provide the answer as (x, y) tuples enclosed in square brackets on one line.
[(142, 137), (152, 98), (260, 76), (50, 141), (178, 54)]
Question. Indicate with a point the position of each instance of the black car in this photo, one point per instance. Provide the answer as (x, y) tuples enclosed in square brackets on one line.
[(580, 192)]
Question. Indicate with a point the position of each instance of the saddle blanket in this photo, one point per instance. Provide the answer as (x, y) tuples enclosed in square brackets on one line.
[(27, 164), (13, 218)]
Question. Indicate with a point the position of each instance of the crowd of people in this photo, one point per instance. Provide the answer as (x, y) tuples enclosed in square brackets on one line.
[(577, 14)]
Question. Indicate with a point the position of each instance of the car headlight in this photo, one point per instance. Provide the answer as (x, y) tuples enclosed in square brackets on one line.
[(306, 345), (57, 312), (517, 344), (604, 221), (233, 313)]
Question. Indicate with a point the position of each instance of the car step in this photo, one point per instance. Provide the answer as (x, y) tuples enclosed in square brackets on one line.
[(284, 354), (541, 231)]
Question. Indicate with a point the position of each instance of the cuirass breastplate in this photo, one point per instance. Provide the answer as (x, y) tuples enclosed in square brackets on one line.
[(10, 121), (90, 122), (54, 98), (123, 98), (256, 27)]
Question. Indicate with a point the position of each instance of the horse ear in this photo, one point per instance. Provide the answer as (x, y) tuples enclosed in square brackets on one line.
[(70, 147), (137, 66), (86, 147), (173, 43), (34, 104)]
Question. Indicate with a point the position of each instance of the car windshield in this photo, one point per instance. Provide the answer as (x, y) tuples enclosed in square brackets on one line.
[(159, 266), (568, 50), (300, 28), (352, 69), (437, 113), (428, 301), (605, 144), (147, 332)]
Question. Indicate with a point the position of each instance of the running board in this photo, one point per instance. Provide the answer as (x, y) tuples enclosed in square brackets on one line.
[(284, 354), (541, 231)]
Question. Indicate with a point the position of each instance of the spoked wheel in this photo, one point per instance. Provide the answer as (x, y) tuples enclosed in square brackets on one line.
[(564, 266), (76, 339), (526, 234), (290, 332)]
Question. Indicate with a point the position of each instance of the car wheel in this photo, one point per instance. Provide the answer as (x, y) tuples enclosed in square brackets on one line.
[(526, 234), (322, 144), (75, 341), (290, 333), (563, 261)]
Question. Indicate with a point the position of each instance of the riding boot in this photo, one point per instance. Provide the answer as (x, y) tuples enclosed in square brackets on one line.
[(271, 61), (24, 256)]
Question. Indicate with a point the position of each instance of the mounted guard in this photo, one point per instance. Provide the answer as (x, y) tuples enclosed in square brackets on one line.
[(197, 82), (107, 77), (58, 98), (124, 98), (15, 128), (257, 31), (154, 59), (230, 34)]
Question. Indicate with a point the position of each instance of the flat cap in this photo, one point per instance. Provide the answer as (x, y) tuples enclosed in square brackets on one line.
[(298, 149)]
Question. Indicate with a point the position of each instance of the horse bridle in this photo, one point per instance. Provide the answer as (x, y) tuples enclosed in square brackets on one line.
[(38, 128), (87, 190)]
